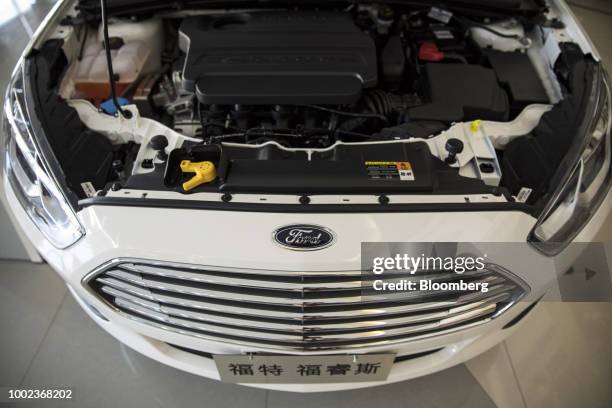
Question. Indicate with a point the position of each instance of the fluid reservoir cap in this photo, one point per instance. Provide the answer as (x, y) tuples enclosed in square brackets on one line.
[(159, 144), (429, 51), (453, 147), (108, 106)]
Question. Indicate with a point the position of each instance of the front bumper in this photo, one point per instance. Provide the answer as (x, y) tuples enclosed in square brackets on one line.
[(242, 240)]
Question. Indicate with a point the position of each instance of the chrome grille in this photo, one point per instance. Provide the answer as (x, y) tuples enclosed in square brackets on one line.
[(294, 310)]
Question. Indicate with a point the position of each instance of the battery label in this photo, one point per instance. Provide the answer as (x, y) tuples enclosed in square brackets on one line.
[(381, 170)]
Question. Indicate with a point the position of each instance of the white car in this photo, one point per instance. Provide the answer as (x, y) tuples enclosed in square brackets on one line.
[(203, 174)]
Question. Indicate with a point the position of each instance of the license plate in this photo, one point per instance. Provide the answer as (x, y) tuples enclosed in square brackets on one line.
[(303, 369)]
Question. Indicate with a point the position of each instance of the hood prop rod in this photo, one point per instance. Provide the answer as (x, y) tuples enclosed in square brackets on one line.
[(109, 62)]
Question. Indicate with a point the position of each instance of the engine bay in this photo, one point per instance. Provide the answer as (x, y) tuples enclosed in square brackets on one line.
[(370, 99)]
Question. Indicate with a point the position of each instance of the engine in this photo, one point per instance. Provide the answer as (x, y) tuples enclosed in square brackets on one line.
[(276, 58), (278, 76)]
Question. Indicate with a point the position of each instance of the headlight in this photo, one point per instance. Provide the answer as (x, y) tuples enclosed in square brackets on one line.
[(28, 174), (585, 186)]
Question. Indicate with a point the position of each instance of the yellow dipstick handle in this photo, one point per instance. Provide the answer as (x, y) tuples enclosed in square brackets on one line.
[(205, 172)]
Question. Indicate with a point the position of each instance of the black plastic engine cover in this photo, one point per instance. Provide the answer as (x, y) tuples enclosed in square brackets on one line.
[(277, 58)]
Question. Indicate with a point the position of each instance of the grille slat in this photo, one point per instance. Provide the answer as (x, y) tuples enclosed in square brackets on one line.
[(309, 283), (293, 310), (290, 297), (312, 325), (298, 335)]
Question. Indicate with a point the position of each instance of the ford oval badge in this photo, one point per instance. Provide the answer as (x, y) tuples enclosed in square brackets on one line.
[(304, 237)]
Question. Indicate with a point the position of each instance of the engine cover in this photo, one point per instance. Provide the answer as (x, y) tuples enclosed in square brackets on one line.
[(277, 58)]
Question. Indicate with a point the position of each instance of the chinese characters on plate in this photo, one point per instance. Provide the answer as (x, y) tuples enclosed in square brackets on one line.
[(304, 369)]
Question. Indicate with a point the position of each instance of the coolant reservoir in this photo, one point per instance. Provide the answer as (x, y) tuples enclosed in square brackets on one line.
[(513, 38), (139, 54)]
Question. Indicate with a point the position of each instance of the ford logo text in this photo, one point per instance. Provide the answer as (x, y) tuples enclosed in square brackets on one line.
[(304, 237)]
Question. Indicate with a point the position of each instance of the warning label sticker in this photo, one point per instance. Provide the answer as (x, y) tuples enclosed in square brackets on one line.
[(381, 170)]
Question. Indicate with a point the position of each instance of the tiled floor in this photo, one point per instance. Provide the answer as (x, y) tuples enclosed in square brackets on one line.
[(561, 356)]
